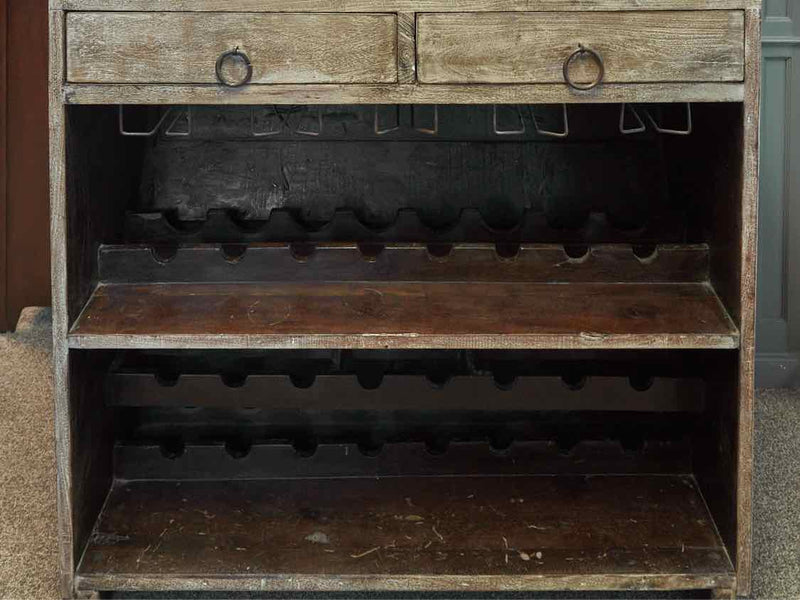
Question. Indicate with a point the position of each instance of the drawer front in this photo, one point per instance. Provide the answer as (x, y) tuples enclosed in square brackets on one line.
[(527, 47), (153, 47)]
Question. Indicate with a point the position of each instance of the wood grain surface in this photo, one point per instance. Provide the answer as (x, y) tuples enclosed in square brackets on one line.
[(571, 532), (454, 533), (64, 437), (532, 47), (744, 409), (545, 93), (405, 315), (396, 262), (399, 5), (180, 47)]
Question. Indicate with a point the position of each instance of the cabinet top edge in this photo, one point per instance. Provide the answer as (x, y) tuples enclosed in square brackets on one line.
[(398, 5)]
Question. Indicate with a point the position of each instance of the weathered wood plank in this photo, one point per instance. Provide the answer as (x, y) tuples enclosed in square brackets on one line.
[(405, 315), (510, 184), (749, 243), (396, 262), (532, 47), (438, 180), (58, 266), (420, 534), (724, 593), (730, 391), (406, 48), (283, 48), (401, 94), (399, 5), (723, 464)]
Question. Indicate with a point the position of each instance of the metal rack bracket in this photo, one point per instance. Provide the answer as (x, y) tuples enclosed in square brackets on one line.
[(496, 126), (640, 127), (555, 134), (668, 131)]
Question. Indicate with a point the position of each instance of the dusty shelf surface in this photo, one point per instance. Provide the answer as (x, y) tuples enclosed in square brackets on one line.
[(404, 315), (407, 533)]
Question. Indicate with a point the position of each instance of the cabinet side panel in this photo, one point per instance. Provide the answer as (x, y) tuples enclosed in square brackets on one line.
[(92, 430), (59, 290), (83, 427), (101, 178), (718, 166), (724, 449), (748, 291)]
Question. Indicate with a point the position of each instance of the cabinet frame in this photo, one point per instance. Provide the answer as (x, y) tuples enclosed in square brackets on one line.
[(76, 500)]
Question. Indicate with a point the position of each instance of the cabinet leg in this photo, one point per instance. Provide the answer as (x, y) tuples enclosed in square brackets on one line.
[(723, 593)]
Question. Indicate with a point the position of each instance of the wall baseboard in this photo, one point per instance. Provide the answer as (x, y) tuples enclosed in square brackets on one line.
[(777, 370)]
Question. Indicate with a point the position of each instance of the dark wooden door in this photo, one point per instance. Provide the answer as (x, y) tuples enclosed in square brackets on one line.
[(24, 221)]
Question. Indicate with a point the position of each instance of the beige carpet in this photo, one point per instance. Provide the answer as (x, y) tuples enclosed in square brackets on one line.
[(27, 475), (28, 563)]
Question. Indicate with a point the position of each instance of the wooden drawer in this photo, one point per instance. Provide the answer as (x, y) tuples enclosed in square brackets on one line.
[(173, 47), (532, 47)]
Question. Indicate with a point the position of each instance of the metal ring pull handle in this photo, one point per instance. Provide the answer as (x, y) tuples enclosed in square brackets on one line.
[(237, 55), (580, 52)]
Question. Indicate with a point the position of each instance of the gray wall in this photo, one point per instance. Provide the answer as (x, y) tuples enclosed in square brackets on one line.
[(778, 333)]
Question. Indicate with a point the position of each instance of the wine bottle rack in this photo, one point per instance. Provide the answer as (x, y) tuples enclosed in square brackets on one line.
[(414, 298)]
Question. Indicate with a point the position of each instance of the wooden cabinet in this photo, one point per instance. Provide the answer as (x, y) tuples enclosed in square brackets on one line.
[(406, 296)]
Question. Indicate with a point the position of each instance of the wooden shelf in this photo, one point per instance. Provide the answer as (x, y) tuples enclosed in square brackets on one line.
[(404, 315), (407, 533)]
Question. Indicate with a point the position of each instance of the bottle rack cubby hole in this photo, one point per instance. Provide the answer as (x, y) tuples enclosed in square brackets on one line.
[(304, 224), (330, 454)]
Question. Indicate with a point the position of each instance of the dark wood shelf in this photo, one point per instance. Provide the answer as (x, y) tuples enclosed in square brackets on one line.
[(404, 315), (564, 532)]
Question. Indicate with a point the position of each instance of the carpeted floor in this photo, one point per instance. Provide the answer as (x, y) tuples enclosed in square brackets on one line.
[(27, 475), (28, 563)]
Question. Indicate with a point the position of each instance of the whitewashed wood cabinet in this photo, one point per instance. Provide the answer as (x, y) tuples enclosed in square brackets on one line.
[(415, 295)]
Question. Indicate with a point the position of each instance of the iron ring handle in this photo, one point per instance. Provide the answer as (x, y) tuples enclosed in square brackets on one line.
[(239, 55), (582, 51)]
